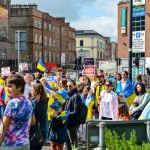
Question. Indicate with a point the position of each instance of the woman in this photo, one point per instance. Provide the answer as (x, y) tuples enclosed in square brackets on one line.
[(39, 103), (17, 117), (125, 90), (108, 103), (142, 98)]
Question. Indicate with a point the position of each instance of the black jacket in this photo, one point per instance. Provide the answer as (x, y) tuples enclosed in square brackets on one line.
[(73, 104)]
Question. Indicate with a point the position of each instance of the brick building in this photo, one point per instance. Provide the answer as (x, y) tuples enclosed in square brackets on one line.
[(40, 36), (4, 43), (140, 33)]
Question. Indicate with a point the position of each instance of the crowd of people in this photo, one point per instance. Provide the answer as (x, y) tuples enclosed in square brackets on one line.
[(52, 103)]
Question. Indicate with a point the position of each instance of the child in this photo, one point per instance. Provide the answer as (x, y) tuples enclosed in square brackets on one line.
[(58, 128), (123, 112)]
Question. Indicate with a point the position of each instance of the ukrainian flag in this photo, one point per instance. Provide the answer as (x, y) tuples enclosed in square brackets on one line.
[(89, 102), (128, 92), (99, 88), (41, 66), (64, 116), (61, 95)]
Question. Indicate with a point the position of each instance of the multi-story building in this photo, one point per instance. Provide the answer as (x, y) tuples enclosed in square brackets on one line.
[(114, 51), (38, 35), (140, 34), (4, 43), (92, 44)]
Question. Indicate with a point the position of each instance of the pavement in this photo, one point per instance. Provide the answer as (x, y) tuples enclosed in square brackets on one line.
[(46, 147)]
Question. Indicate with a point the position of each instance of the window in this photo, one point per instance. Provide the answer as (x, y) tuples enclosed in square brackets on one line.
[(35, 38), (40, 24), (4, 2), (35, 23), (50, 27), (40, 38), (50, 41), (45, 26), (36, 56), (22, 40), (138, 23), (45, 40), (81, 42), (45, 56), (50, 57)]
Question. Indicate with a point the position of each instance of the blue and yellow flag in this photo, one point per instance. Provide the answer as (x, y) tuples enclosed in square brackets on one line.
[(41, 66), (61, 95), (128, 92), (64, 116)]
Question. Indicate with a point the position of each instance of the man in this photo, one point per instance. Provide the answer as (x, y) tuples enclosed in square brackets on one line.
[(72, 103), (100, 87)]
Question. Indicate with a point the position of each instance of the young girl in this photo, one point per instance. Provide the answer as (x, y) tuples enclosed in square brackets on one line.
[(58, 128), (123, 112)]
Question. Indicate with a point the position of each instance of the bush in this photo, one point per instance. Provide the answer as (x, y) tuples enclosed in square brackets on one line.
[(115, 142)]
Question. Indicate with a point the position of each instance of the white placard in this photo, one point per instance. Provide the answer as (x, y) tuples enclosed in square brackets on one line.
[(23, 66), (5, 70), (138, 39)]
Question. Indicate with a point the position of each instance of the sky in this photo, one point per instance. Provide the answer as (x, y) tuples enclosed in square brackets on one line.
[(97, 15)]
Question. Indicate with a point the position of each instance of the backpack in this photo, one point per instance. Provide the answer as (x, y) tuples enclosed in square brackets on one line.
[(81, 119)]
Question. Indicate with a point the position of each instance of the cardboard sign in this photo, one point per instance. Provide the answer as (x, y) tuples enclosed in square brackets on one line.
[(23, 67), (90, 70)]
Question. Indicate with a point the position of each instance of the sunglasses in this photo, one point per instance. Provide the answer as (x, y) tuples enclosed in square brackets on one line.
[(69, 86), (107, 85)]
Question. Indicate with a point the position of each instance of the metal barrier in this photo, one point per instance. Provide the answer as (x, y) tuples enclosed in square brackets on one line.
[(94, 128)]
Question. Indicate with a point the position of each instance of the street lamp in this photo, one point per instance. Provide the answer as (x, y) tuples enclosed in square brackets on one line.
[(18, 49), (130, 43)]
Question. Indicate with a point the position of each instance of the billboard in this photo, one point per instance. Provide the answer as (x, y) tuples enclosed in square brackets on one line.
[(138, 41), (138, 2), (3, 23), (138, 11), (123, 20)]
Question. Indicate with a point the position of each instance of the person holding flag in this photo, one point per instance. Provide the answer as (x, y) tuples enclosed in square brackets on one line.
[(125, 90), (58, 128)]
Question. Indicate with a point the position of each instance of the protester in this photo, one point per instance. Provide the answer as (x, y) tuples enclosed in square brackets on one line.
[(58, 128), (39, 103), (108, 103), (125, 90), (139, 80), (27, 90), (73, 105), (142, 98), (99, 87), (123, 112), (17, 117)]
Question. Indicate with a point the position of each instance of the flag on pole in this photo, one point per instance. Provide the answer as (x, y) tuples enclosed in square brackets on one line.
[(41, 66)]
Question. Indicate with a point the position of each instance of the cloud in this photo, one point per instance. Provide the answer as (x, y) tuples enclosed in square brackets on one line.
[(98, 15), (106, 26)]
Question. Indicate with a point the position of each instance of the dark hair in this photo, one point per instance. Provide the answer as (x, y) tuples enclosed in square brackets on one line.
[(39, 76), (64, 83), (87, 87), (139, 77), (17, 80), (126, 72), (109, 82), (119, 76), (41, 94), (143, 89), (123, 110), (74, 83), (33, 76), (80, 85)]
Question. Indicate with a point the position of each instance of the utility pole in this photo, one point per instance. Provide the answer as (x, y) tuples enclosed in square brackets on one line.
[(18, 49), (130, 43)]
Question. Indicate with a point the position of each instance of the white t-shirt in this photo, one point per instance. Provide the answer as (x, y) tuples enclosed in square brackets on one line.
[(105, 103)]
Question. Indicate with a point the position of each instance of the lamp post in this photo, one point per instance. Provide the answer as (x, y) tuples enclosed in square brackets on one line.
[(18, 49), (130, 43)]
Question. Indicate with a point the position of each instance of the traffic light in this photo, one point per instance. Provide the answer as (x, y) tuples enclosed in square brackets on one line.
[(79, 60), (119, 61), (136, 62)]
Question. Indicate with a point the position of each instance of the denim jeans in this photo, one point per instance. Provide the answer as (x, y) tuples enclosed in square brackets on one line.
[(1, 111)]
